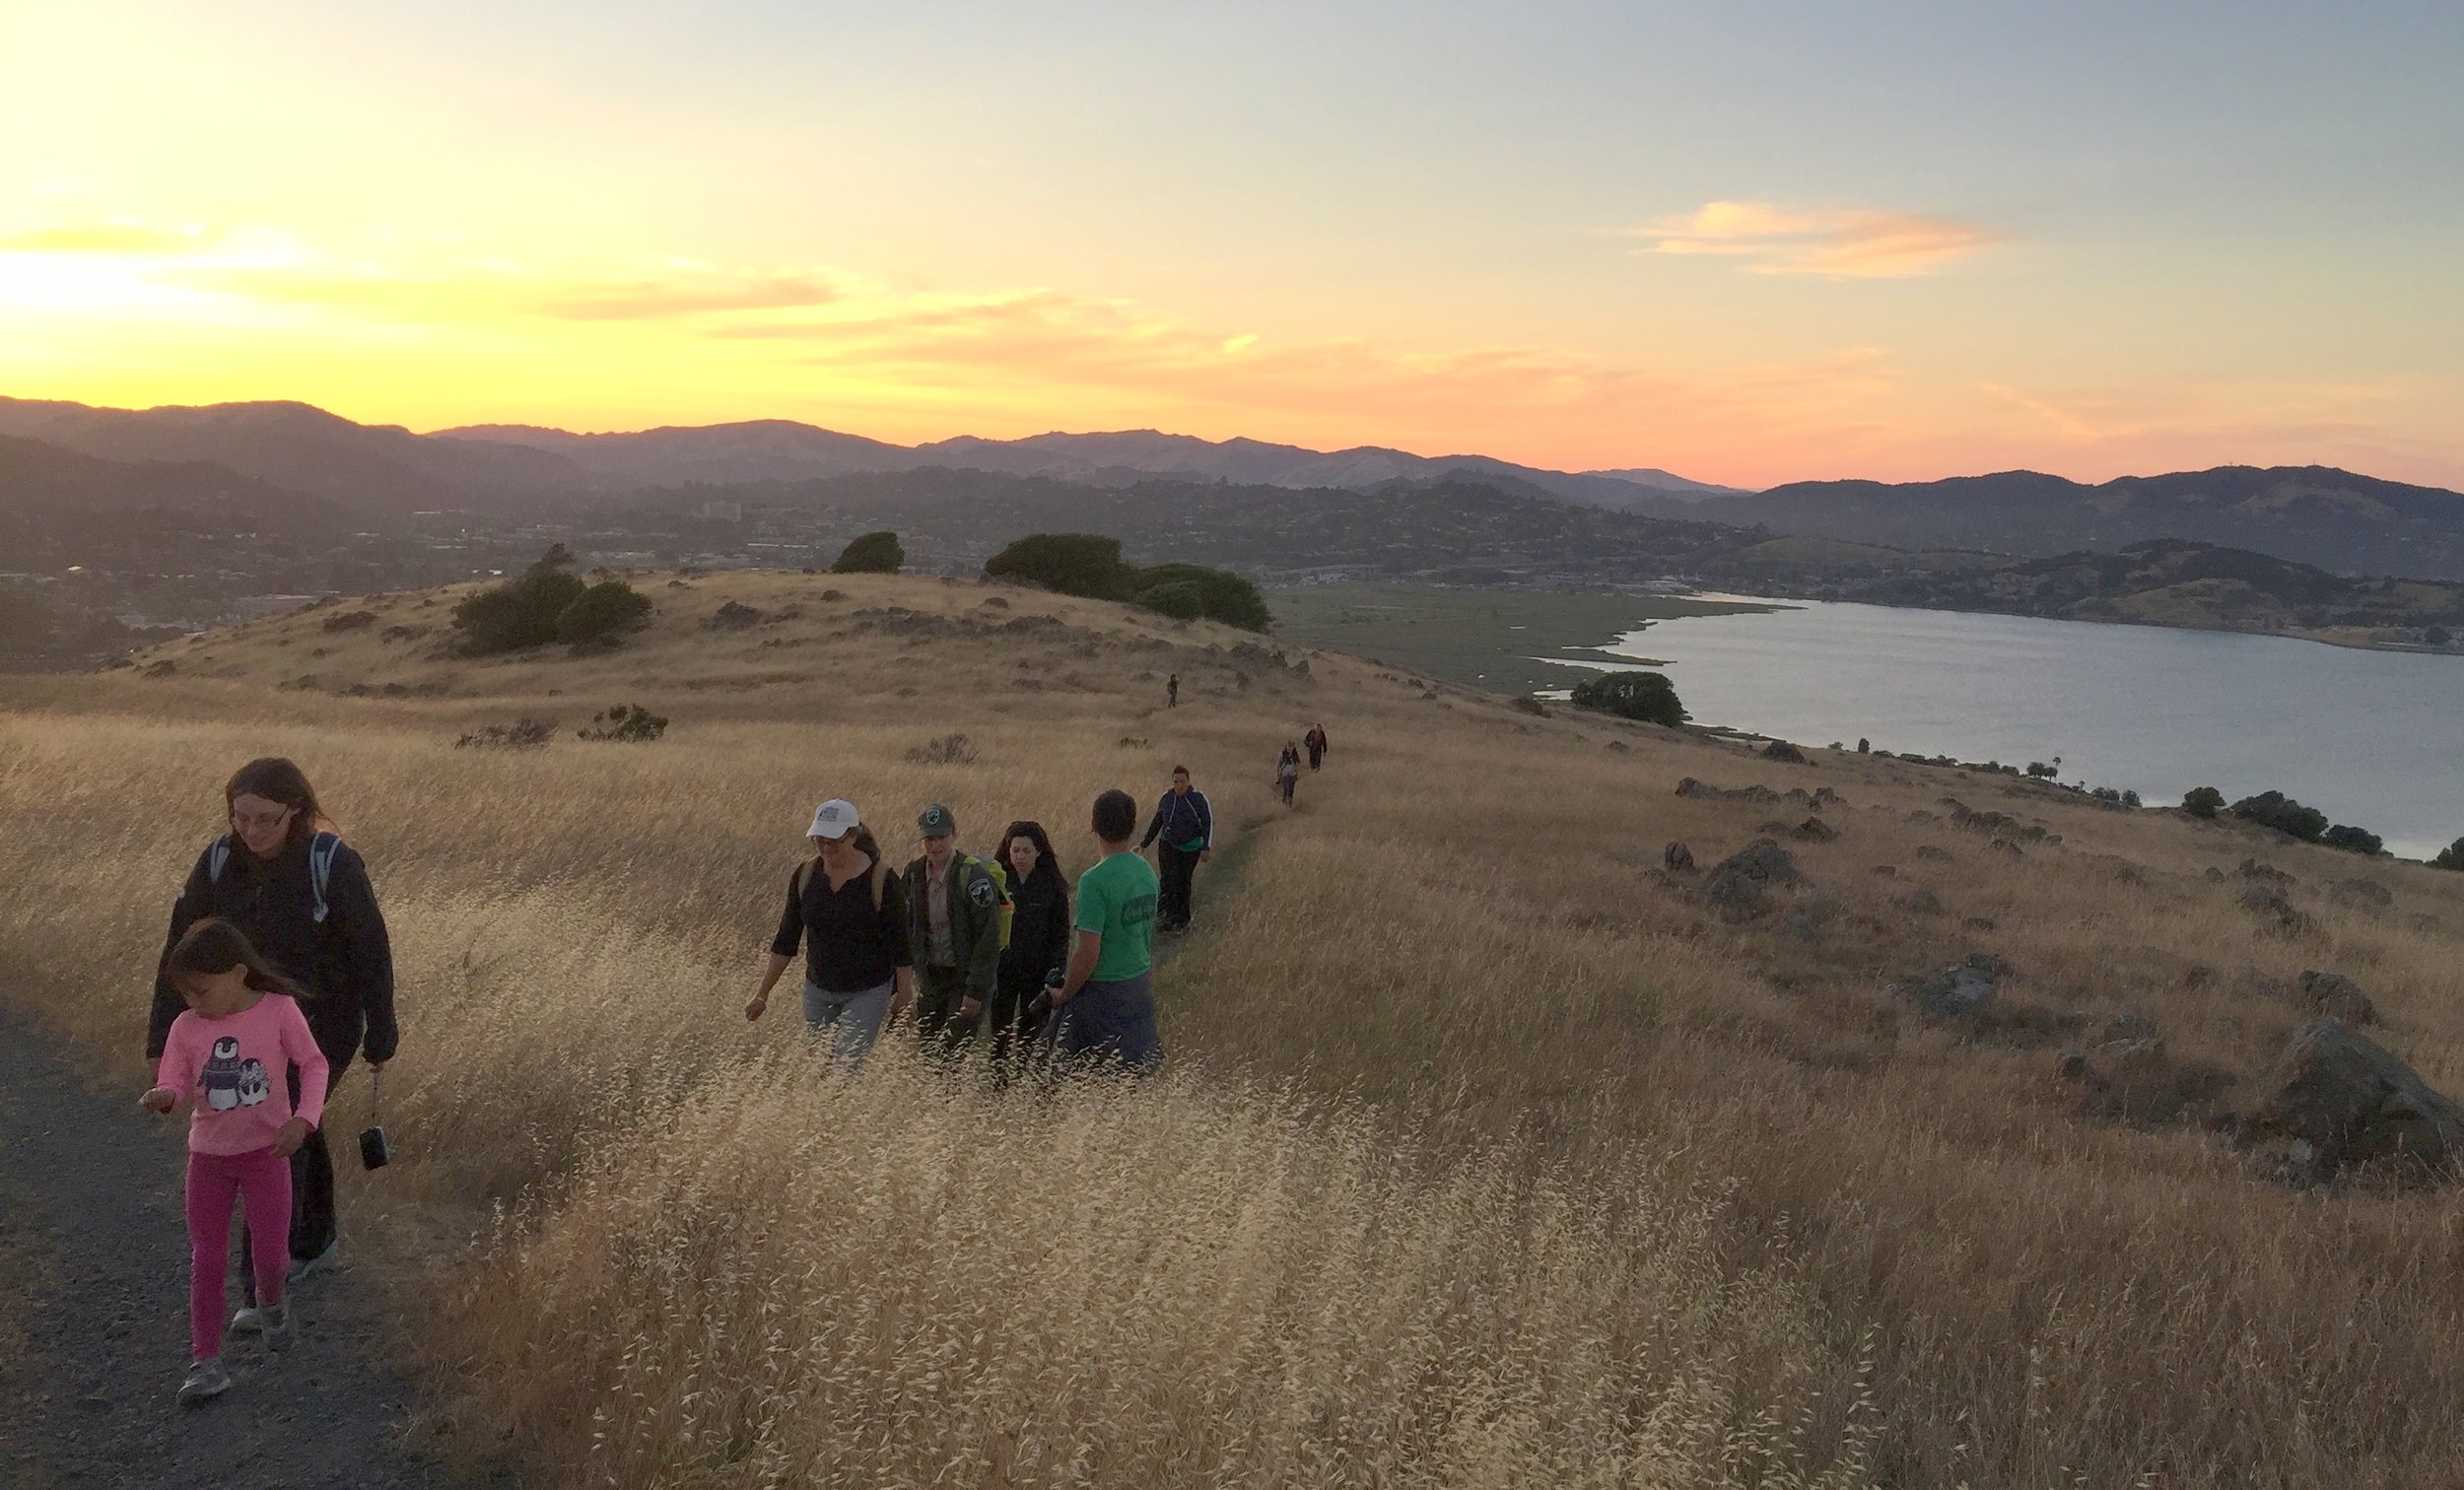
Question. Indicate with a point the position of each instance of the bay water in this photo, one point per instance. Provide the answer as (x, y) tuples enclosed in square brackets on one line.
[(2371, 738)]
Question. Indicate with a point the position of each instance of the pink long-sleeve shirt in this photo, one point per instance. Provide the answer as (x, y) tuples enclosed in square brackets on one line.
[(233, 1069)]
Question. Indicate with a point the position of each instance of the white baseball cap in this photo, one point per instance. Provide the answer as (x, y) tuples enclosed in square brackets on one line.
[(833, 819)]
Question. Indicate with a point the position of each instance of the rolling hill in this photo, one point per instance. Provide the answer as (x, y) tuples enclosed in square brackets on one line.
[(2311, 515), (382, 467), (1474, 1101)]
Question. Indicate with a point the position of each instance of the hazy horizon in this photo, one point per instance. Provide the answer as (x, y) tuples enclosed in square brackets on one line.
[(1747, 247)]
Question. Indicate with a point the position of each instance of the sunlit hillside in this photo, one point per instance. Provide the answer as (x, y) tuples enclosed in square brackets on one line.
[(1490, 1153)]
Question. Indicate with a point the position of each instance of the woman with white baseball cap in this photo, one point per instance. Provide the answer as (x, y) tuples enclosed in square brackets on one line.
[(846, 907)]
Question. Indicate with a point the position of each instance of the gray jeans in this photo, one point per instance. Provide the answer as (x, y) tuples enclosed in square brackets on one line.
[(853, 1020)]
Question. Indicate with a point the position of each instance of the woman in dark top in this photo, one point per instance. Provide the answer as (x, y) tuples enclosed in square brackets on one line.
[(1039, 937), (302, 897), (844, 906)]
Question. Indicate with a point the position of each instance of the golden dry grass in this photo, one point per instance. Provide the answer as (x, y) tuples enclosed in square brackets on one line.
[(1488, 1156)]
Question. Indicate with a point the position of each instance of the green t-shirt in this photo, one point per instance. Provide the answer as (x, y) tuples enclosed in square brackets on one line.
[(1117, 900)]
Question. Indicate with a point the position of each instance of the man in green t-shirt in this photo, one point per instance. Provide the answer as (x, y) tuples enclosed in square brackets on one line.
[(1105, 1007)]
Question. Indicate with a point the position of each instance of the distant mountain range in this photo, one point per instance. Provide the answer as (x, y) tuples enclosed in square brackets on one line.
[(41, 478), (774, 449), (376, 468), (2311, 515)]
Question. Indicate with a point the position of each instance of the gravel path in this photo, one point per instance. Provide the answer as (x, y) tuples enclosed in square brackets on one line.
[(96, 1252)]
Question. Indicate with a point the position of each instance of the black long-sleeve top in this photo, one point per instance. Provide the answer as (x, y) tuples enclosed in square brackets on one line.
[(345, 963), (1181, 817), (851, 944), (1039, 932)]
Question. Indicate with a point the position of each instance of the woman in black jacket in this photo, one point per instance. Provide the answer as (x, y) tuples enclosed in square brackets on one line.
[(304, 897), (1039, 938)]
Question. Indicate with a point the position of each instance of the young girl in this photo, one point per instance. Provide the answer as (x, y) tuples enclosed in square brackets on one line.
[(228, 1053)]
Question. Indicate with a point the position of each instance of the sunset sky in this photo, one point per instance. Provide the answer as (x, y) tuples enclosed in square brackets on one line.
[(1746, 242)]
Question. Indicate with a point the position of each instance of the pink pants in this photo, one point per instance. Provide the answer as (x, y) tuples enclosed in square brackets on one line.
[(262, 1181)]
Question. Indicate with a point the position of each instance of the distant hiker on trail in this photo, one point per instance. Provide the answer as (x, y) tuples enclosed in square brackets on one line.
[(1104, 1011), (302, 897), (955, 904), (1186, 824), (1037, 954), (846, 907), (242, 1024), (1315, 741), (1172, 691), (1288, 772)]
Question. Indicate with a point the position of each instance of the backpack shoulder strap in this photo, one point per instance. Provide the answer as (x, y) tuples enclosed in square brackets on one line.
[(217, 854), (803, 877), (322, 852)]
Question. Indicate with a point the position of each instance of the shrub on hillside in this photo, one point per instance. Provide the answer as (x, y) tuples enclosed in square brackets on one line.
[(1220, 594), (872, 553), (1072, 563), (601, 612), (521, 734), (2202, 802), (625, 724), (1646, 696), (944, 749), (2355, 840), (2274, 809), (1090, 565), (2450, 858), (532, 610)]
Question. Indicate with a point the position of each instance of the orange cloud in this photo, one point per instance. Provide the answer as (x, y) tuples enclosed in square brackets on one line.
[(1843, 243)]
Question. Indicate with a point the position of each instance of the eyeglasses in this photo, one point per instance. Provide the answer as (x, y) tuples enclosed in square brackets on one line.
[(255, 822)]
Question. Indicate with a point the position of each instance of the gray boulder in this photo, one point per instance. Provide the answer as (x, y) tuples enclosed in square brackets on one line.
[(2338, 998), (1699, 791), (1963, 987), (1676, 859), (2354, 1103), (1782, 751), (2270, 904), (1739, 886)]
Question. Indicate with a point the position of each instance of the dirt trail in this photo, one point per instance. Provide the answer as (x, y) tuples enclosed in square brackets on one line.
[(92, 1242)]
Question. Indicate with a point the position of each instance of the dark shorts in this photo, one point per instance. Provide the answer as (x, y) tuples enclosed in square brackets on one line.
[(1113, 1022)]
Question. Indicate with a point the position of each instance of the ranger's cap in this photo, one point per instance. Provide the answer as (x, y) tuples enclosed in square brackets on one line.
[(833, 819), (936, 822)]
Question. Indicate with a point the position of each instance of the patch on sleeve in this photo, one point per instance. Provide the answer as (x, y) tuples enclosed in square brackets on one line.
[(981, 891)]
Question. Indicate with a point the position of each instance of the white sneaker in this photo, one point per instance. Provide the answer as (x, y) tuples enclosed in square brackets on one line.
[(251, 1319), (206, 1381), (276, 1325)]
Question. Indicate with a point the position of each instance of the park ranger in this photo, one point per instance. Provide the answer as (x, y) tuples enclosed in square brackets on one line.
[(954, 921)]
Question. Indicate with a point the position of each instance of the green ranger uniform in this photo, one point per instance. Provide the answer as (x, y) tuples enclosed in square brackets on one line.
[(970, 964)]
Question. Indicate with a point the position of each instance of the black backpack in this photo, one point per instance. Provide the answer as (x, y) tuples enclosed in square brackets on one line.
[(322, 851)]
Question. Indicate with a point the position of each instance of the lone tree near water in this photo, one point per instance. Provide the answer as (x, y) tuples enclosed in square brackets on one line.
[(872, 553), (1645, 695)]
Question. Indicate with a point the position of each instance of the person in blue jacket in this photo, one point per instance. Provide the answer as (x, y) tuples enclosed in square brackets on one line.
[(1184, 827)]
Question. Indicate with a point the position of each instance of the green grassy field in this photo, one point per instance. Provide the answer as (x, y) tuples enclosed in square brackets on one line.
[(1494, 638)]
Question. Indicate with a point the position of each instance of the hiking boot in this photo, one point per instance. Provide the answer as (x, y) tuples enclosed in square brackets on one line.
[(305, 1267), (206, 1381)]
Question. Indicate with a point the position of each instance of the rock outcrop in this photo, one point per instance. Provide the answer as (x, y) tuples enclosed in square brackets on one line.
[(2338, 998), (2354, 1103), (1963, 987), (1739, 886)]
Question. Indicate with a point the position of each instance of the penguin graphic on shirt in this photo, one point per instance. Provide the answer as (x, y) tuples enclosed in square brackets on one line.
[(253, 1085), (221, 1075)]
